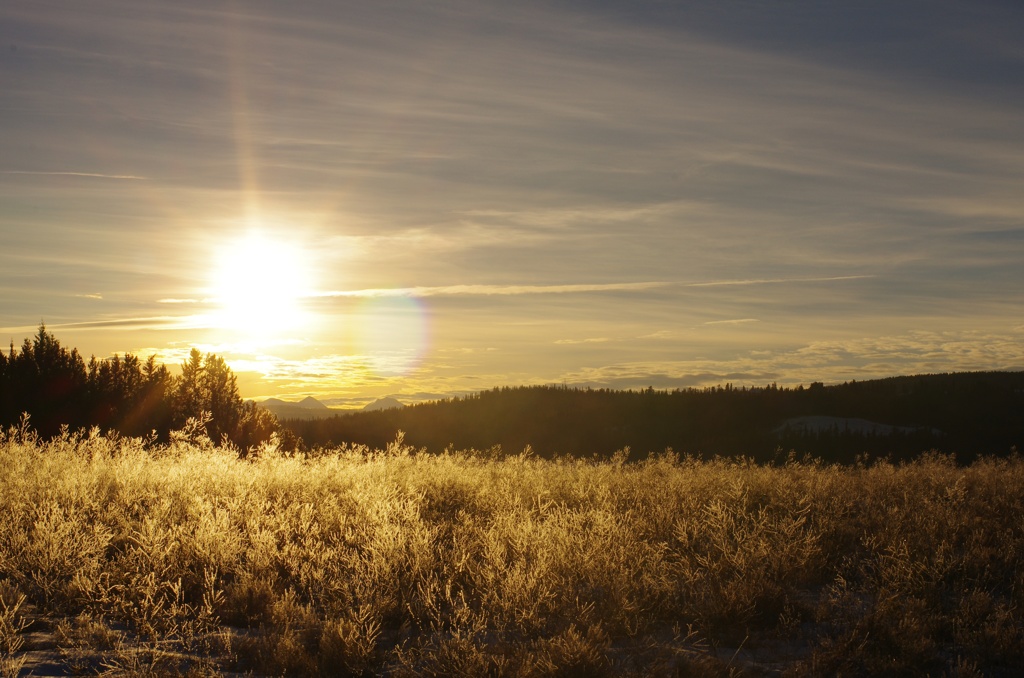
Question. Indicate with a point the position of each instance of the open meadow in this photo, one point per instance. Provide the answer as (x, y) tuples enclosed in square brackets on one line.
[(183, 559)]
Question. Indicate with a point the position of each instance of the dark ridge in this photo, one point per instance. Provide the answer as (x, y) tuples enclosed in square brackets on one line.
[(968, 414)]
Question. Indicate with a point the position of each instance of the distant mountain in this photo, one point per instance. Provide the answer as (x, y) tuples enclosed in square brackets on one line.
[(387, 403), (312, 403), (307, 408)]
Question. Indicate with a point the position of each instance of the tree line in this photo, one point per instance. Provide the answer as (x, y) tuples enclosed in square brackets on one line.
[(56, 387), (967, 414)]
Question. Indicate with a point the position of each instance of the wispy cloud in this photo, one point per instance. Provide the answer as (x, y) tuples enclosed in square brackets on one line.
[(737, 321), (329, 374), (775, 281), (495, 290), (589, 340), (141, 323), (579, 288), (88, 175), (830, 361)]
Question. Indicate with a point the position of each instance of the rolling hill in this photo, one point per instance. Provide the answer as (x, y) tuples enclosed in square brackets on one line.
[(963, 413)]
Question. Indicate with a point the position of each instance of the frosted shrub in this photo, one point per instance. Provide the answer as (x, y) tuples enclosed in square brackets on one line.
[(360, 562)]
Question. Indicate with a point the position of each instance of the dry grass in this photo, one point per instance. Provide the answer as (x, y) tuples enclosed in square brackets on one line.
[(185, 560)]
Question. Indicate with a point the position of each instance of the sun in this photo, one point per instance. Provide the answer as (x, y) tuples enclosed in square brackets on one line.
[(258, 285)]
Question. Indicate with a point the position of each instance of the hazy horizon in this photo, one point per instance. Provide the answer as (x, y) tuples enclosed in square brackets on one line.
[(352, 200)]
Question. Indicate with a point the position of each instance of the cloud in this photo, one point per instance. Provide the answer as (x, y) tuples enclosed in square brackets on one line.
[(88, 175), (589, 340), (334, 374), (775, 281), (580, 288), (141, 323), (834, 361), (737, 321), (496, 290), (152, 323)]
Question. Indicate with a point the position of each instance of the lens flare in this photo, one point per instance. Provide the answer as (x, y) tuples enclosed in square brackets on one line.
[(392, 332)]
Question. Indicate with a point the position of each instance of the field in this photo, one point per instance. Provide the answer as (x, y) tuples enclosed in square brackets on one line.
[(122, 558)]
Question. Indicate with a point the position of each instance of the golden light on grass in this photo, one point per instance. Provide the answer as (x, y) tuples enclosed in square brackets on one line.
[(187, 558), (258, 285)]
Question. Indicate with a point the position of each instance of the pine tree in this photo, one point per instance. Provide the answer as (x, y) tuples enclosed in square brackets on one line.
[(188, 396), (56, 387), (224, 403)]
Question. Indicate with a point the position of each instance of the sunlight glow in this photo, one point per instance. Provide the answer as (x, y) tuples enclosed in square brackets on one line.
[(258, 285)]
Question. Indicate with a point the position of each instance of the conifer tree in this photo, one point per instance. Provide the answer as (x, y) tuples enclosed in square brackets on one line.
[(56, 387)]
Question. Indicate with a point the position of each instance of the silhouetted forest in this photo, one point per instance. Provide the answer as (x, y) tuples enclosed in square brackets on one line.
[(56, 387), (967, 414)]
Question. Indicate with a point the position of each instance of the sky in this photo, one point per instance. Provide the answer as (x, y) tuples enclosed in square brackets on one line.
[(358, 199)]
